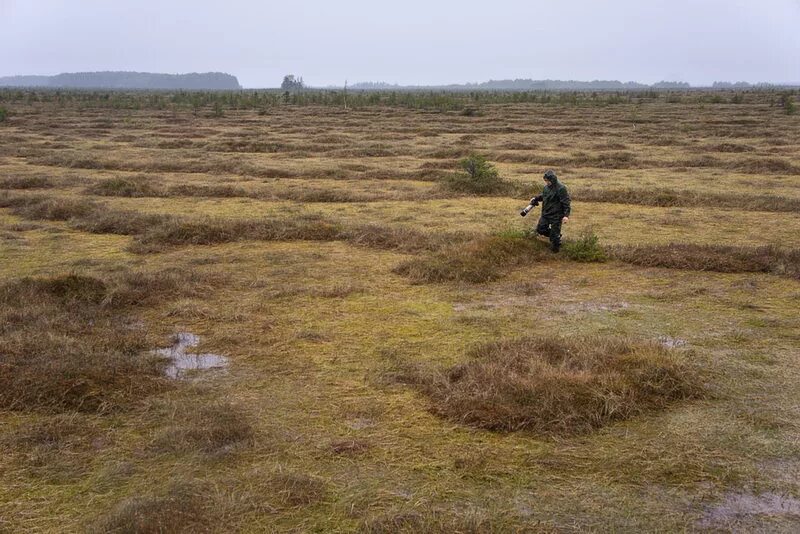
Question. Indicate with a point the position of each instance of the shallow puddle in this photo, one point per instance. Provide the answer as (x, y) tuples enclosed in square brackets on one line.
[(739, 507), (672, 342), (182, 362)]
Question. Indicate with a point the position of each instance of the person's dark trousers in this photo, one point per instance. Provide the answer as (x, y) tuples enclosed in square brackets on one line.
[(552, 229)]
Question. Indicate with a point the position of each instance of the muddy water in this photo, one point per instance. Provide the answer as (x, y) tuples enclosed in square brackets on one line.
[(182, 362)]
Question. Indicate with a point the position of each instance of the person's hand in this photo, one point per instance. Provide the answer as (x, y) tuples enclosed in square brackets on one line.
[(565, 220)]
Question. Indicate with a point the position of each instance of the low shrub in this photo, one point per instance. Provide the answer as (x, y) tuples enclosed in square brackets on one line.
[(790, 107), (479, 178), (585, 249)]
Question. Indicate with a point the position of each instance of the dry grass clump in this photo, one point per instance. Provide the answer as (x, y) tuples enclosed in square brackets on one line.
[(71, 289), (476, 261), (183, 507), (210, 428), (662, 197), (52, 432), (61, 350), (349, 447), (765, 165), (193, 505), (729, 147), (120, 222), (338, 291), (397, 238), (430, 521), (66, 341), (175, 231), (213, 191), (26, 182), (558, 386), (130, 186), (328, 195), (718, 258), (255, 146), (297, 489), (56, 449), (82, 214), (47, 208), (155, 232), (148, 288), (606, 160)]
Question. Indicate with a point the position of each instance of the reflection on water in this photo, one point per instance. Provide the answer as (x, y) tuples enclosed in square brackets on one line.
[(180, 362)]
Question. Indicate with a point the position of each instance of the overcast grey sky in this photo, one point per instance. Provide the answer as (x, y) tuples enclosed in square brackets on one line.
[(408, 41)]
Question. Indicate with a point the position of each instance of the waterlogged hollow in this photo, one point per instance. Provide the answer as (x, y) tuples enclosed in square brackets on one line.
[(182, 362)]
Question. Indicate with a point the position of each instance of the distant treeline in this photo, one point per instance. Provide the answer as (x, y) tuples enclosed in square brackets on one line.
[(209, 81), (551, 85), (469, 103), (527, 85)]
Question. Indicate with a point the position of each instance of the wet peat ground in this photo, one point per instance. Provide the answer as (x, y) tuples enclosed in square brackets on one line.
[(323, 300)]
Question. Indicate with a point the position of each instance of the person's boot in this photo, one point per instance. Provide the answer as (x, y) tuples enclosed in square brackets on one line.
[(555, 248)]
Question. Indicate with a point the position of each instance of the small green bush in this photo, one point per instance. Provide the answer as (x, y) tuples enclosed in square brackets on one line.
[(479, 178), (471, 112), (3, 113), (586, 249), (791, 108)]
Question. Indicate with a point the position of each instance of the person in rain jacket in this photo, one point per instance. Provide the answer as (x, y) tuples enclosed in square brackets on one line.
[(555, 209)]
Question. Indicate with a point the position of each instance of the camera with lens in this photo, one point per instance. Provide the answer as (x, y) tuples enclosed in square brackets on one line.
[(529, 207)]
